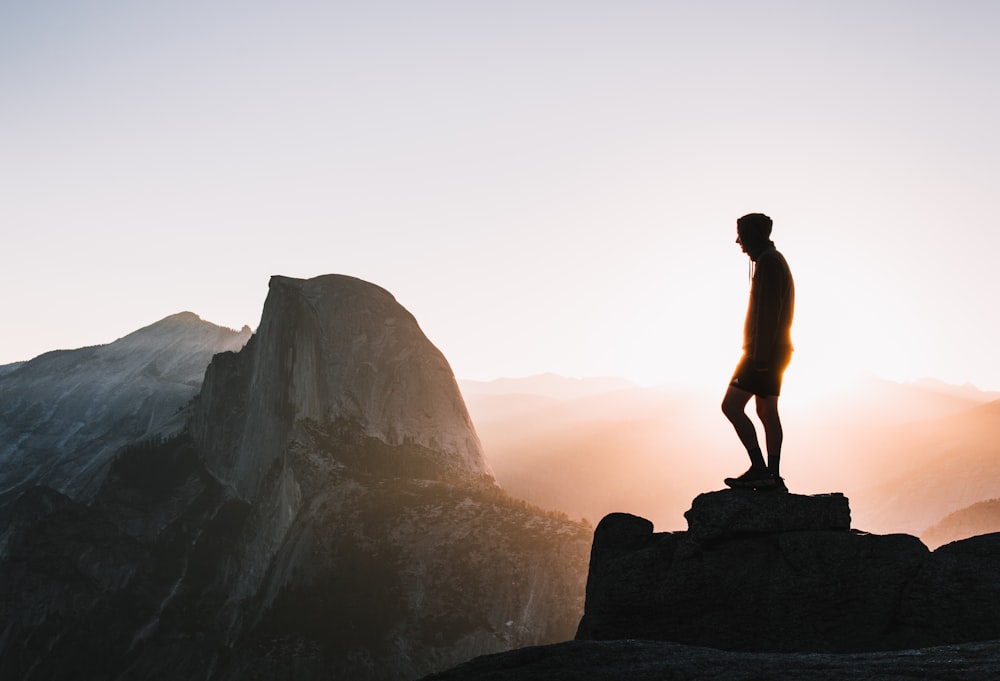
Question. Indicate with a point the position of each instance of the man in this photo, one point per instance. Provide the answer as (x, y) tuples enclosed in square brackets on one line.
[(767, 350)]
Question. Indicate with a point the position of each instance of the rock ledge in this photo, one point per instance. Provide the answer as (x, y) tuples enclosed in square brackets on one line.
[(786, 573)]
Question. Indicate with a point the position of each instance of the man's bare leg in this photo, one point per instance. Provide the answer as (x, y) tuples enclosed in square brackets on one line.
[(767, 410), (734, 407)]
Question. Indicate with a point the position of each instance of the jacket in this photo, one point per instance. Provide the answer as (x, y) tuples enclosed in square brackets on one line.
[(767, 332)]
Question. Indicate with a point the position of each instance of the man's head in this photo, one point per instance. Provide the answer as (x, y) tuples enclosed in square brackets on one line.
[(753, 232)]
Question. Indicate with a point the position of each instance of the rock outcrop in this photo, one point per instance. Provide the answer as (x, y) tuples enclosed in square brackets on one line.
[(333, 351), (65, 414), (784, 573), (636, 659), (767, 586)]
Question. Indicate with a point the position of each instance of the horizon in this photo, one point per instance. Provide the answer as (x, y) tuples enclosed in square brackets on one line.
[(827, 392), (545, 187)]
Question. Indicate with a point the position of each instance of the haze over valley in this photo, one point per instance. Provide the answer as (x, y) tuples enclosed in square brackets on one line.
[(906, 454)]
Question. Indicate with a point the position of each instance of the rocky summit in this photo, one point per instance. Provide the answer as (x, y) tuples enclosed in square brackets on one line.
[(764, 586), (337, 352), (324, 511), (785, 572)]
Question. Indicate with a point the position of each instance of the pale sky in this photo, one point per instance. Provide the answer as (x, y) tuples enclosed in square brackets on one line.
[(547, 186)]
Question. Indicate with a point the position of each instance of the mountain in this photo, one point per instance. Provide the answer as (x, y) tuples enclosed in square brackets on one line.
[(325, 511), (64, 414), (333, 350), (891, 403), (983, 517), (929, 469)]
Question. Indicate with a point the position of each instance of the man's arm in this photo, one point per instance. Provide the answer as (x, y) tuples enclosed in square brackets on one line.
[(767, 284)]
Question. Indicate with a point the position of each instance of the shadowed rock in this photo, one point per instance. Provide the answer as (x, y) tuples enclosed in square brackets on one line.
[(659, 660), (956, 594), (771, 586), (784, 572), (728, 512)]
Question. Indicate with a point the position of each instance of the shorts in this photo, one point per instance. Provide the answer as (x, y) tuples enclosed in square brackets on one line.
[(765, 382)]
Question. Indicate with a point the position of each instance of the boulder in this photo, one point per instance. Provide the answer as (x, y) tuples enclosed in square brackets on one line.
[(786, 573), (730, 512), (955, 596)]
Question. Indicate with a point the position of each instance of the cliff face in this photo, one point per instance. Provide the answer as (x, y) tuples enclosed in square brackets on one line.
[(783, 573), (327, 513), (333, 350), (64, 414)]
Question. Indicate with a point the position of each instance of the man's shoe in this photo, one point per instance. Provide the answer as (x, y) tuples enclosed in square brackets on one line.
[(752, 479)]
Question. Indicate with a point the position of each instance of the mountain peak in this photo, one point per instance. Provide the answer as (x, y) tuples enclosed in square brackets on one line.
[(333, 349), (67, 412), (342, 284)]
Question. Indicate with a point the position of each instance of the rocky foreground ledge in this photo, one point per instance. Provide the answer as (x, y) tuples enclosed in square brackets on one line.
[(786, 573), (768, 585), (662, 661)]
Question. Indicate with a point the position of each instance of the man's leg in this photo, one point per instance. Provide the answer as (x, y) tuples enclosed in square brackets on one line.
[(734, 407), (767, 410)]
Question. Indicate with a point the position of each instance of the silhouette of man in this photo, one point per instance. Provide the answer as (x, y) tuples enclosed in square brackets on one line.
[(767, 350)]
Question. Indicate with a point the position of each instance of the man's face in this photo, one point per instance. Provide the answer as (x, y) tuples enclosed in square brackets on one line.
[(740, 242)]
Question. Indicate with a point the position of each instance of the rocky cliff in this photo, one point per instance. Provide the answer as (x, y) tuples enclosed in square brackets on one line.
[(326, 513), (65, 414), (333, 350), (772, 586), (784, 572)]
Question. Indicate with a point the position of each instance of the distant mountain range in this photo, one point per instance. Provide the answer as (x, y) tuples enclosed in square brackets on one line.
[(982, 517), (906, 454)]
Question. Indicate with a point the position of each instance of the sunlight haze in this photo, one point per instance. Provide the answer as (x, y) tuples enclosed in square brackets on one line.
[(546, 186)]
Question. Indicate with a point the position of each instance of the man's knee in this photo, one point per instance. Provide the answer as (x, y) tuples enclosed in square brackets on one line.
[(767, 408), (734, 404)]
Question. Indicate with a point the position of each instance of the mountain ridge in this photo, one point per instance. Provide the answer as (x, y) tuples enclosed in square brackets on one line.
[(65, 413), (322, 510)]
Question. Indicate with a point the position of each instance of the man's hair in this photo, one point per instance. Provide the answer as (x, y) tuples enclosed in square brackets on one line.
[(754, 227)]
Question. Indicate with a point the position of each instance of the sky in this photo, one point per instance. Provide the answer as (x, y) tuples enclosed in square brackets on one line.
[(548, 186)]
